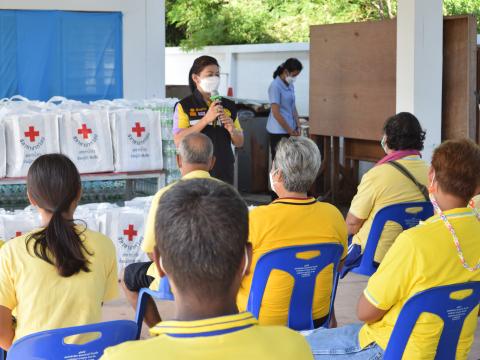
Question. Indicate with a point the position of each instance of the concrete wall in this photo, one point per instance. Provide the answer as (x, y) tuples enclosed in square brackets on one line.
[(143, 38), (247, 69)]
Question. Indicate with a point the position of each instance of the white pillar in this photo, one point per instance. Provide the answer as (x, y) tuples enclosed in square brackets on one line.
[(155, 49), (419, 65)]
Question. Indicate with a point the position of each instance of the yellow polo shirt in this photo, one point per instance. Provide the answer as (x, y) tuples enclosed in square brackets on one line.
[(476, 201), (421, 258), (149, 238), (289, 222), (381, 186), (42, 299), (233, 337), (184, 120)]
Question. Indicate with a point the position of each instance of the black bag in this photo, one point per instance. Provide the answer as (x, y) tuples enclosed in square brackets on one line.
[(423, 189)]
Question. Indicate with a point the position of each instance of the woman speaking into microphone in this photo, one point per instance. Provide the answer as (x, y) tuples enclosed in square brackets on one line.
[(204, 111)]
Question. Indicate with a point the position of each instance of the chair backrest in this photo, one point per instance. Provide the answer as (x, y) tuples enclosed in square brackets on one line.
[(50, 344), (304, 273), (165, 292), (439, 302), (143, 297), (407, 215)]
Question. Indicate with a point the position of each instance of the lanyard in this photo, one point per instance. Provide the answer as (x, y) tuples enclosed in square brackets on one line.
[(454, 235)]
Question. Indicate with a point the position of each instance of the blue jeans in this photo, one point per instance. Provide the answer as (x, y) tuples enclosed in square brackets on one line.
[(340, 343)]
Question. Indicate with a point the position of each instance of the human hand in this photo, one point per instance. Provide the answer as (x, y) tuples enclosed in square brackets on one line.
[(227, 122), (213, 112), (294, 132)]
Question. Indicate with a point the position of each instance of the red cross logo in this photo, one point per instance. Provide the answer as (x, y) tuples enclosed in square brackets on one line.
[(130, 232), (32, 133), (138, 129), (85, 131), (18, 233)]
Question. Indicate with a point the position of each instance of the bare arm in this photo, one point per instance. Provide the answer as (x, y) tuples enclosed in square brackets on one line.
[(295, 116), (281, 120), (368, 313), (235, 134), (7, 332), (353, 223), (237, 137)]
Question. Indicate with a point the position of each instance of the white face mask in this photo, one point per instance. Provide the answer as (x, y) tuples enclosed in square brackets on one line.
[(245, 268), (272, 182), (210, 84), (384, 144), (290, 79), (161, 265)]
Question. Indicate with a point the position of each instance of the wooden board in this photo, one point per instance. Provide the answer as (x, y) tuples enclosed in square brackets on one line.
[(459, 111), (352, 78), (478, 94), (366, 150)]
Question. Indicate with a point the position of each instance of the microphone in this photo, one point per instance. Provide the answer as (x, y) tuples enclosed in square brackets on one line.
[(214, 95)]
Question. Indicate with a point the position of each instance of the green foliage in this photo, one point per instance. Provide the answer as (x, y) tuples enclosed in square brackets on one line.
[(462, 7), (193, 24)]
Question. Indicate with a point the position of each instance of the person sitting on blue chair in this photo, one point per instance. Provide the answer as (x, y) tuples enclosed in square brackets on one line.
[(202, 245), (443, 250), (195, 159), (293, 219), (385, 184), (59, 275)]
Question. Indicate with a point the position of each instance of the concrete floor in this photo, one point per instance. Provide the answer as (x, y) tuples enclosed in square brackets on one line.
[(348, 292)]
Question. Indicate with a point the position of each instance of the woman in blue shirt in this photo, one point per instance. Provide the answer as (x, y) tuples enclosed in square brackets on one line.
[(283, 118)]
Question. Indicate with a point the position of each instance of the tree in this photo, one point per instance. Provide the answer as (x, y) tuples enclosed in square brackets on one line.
[(193, 24)]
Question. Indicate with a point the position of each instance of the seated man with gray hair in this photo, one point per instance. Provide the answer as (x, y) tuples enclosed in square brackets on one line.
[(195, 159), (293, 219)]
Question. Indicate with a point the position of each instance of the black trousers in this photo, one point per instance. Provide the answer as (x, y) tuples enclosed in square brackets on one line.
[(274, 140)]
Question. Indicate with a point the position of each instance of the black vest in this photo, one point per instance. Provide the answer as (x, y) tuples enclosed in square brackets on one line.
[(196, 108)]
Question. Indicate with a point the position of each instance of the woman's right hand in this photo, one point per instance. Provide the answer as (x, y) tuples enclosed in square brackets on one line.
[(292, 132), (214, 110)]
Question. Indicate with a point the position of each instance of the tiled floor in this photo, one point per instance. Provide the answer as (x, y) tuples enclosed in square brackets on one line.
[(348, 292)]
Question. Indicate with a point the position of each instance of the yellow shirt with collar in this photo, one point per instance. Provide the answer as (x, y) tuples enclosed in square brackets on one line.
[(422, 258), (233, 337), (381, 186), (289, 222), (476, 202), (149, 238), (42, 299)]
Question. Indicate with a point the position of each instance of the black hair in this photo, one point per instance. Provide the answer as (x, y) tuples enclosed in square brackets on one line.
[(53, 182), (199, 64), (201, 233), (404, 132), (291, 65)]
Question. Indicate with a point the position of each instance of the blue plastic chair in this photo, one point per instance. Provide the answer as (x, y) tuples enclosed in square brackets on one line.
[(304, 273), (399, 214), (164, 290), (436, 301), (50, 344)]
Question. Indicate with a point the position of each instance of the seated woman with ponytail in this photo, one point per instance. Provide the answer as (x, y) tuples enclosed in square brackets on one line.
[(59, 275)]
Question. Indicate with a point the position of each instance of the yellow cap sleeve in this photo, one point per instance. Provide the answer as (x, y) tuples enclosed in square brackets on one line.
[(180, 119), (364, 200), (7, 278), (149, 236), (237, 125)]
